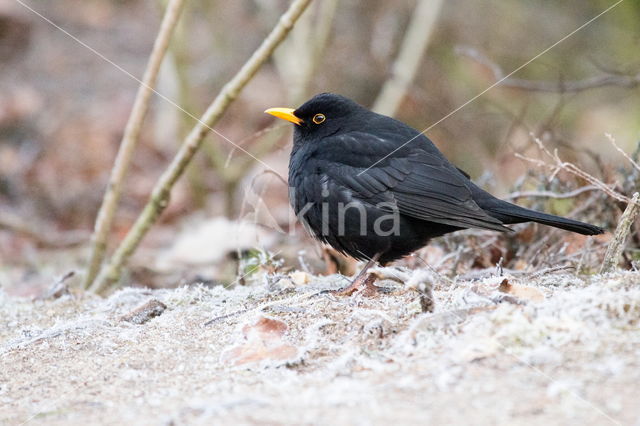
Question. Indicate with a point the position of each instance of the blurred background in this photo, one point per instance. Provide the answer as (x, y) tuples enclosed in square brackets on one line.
[(63, 110)]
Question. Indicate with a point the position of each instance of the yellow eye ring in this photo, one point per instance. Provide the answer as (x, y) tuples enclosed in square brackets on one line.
[(319, 118)]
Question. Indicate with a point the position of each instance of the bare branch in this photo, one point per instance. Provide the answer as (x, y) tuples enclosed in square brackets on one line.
[(571, 168), (561, 86), (550, 194), (621, 151), (129, 141)]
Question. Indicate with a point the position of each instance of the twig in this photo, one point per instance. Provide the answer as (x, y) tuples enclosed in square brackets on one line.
[(571, 168), (609, 79), (304, 298), (551, 194), (83, 324), (550, 270), (491, 272), (614, 251), (58, 288), (129, 141), (412, 50), (160, 195), (621, 151)]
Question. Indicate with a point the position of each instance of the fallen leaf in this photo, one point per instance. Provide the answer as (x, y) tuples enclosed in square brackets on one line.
[(262, 340), (521, 291)]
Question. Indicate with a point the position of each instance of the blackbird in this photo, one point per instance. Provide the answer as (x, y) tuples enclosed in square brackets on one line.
[(376, 189)]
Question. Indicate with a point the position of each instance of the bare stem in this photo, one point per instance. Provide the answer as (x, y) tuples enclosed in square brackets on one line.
[(413, 48), (129, 141), (614, 251), (160, 196), (551, 194), (621, 151)]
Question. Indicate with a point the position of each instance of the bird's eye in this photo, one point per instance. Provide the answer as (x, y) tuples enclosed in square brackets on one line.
[(319, 118)]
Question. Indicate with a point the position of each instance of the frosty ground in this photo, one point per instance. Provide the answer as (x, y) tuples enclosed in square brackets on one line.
[(552, 348)]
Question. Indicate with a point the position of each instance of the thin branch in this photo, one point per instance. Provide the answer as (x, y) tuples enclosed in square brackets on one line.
[(412, 50), (550, 194), (571, 168), (621, 151), (561, 86), (129, 141), (160, 195)]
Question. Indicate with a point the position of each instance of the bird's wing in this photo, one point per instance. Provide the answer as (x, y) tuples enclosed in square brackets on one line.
[(418, 180)]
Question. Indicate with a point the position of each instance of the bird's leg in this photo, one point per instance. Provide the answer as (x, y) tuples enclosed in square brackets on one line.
[(363, 279)]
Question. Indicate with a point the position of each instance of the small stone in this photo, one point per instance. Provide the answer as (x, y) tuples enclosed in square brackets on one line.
[(145, 312)]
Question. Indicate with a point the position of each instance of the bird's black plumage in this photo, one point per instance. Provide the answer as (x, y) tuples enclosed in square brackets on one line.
[(362, 189)]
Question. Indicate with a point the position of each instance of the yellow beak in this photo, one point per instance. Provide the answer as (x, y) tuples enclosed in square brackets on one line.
[(285, 114)]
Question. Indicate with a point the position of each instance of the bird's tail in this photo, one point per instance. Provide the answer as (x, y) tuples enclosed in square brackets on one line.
[(510, 213)]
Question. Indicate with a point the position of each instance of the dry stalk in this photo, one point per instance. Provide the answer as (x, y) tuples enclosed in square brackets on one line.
[(551, 194), (129, 141), (160, 195)]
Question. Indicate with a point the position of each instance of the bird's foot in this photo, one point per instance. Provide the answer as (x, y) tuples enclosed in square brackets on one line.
[(364, 283)]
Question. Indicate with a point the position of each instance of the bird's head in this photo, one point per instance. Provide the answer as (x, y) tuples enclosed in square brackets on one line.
[(323, 115)]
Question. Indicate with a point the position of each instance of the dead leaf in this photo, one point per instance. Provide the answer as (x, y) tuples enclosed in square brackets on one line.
[(263, 340), (531, 294)]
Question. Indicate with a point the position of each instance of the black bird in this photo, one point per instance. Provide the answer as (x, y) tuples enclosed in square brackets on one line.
[(377, 190)]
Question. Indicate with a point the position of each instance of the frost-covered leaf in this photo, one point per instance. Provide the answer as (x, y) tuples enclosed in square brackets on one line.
[(524, 292), (262, 341)]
